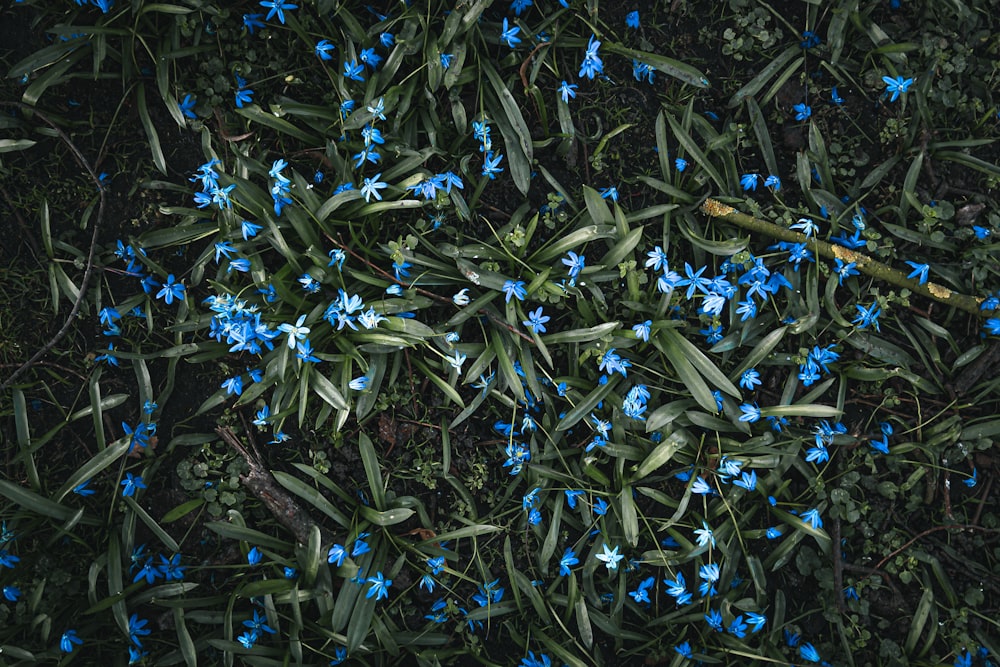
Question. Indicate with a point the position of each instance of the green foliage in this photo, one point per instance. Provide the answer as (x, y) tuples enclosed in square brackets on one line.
[(480, 379)]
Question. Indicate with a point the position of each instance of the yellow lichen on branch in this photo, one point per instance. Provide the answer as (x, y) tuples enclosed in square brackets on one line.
[(864, 263)]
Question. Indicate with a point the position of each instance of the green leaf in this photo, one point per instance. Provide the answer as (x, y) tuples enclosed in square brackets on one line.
[(758, 82), (587, 405), (582, 335), (460, 533), (8, 145), (661, 454), (572, 240), (669, 66), (696, 153), (311, 496), (254, 113), (327, 391), (519, 151), (373, 470), (249, 535), (800, 410), (151, 523), (34, 503), (150, 129), (99, 462), (919, 620), (389, 517)]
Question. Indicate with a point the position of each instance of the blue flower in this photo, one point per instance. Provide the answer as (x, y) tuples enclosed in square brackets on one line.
[(809, 40), (919, 271), (323, 48), (809, 652), (518, 6), (252, 21), (574, 263), (610, 557), (243, 96), (171, 568), (844, 270), (600, 507), (772, 182), (750, 379), (835, 98), (641, 594), (592, 64), (258, 623), (233, 385), (515, 289), (353, 71), (536, 321), (747, 480), (82, 490), (680, 164), (632, 19), (749, 181), (171, 290), (277, 8), (610, 193), (69, 641), (447, 59), (131, 483), (254, 556), (509, 34), (137, 628), (296, 332), (684, 649), (802, 111), (812, 518), (567, 91), (11, 593), (896, 86), (972, 481), (705, 535), (491, 164), (642, 330), (867, 317), (751, 413), (337, 554), (187, 106), (379, 586), (371, 186)]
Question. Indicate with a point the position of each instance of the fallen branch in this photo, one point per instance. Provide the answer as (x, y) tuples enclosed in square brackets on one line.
[(865, 264), (262, 484)]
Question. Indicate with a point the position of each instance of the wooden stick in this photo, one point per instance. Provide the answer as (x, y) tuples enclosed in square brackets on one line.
[(865, 264)]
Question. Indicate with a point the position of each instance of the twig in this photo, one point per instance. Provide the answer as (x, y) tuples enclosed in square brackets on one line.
[(262, 484), (89, 267), (865, 264), (928, 532)]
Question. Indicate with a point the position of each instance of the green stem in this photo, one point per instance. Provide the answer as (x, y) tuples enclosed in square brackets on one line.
[(865, 264)]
